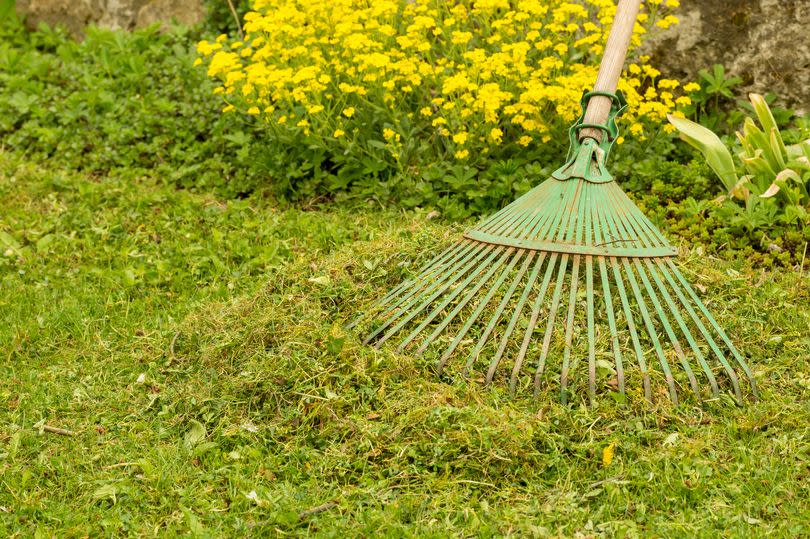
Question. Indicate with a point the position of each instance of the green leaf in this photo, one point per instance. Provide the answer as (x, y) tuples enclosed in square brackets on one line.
[(717, 155), (195, 434)]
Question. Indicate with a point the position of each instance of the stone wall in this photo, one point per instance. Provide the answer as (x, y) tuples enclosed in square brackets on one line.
[(75, 15), (763, 41)]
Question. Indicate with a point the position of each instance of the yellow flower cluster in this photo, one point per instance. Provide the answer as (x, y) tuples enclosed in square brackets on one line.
[(468, 76)]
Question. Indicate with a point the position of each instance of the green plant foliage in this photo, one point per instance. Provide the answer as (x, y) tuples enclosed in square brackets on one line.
[(212, 392), (769, 206)]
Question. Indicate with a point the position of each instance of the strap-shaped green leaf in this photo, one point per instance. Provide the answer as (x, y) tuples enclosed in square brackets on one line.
[(717, 155)]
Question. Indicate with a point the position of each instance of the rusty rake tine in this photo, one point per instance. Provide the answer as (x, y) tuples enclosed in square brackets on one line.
[(425, 272), (452, 315), (515, 317), (682, 325), (628, 228), (614, 334), (651, 331), (461, 304), (582, 228), (552, 315), (435, 291), (646, 318), (664, 319), (591, 329), (590, 232), (631, 326), (459, 267), (498, 312), (478, 310), (458, 290), (567, 233), (606, 225), (538, 303), (703, 330), (413, 286), (569, 331), (716, 326)]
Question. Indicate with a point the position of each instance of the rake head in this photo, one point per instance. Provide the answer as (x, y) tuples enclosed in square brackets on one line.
[(571, 280)]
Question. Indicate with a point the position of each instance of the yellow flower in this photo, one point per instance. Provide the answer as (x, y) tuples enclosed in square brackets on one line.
[(253, 110), (462, 154), (524, 140), (496, 135), (348, 112), (302, 123), (338, 133), (691, 87), (228, 108), (388, 134), (607, 454), (425, 111), (460, 138)]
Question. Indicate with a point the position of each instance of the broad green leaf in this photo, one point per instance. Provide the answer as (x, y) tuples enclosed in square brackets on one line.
[(763, 113), (717, 155), (196, 433), (766, 119)]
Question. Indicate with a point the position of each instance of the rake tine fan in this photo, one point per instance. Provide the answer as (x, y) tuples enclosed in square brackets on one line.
[(570, 277)]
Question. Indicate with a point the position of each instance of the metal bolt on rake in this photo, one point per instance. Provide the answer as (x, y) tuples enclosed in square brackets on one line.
[(574, 249)]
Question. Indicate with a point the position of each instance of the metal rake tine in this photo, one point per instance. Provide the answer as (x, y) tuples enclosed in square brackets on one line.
[(538, 303), (646, 318), (664, 319), (662, 316), (515, 317), (648, 323), (596, 221), (716, 326), (552, 315), (683, 327), (526, 217), (435, 291), (569, 332), (703, 330), (412, 287), (591, 328), (474, 316), (461, 304), (498, 311), (447, 300), (424, 272)]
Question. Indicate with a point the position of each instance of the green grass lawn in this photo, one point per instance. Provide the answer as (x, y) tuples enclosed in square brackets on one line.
[(194, 347)]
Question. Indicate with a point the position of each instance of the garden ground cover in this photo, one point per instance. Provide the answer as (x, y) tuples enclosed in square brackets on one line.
[(194, 346)]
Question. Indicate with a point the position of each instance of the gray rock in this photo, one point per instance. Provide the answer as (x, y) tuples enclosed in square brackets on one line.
[(75, 15), (762, 41)]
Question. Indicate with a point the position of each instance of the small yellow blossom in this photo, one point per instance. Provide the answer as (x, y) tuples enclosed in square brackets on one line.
[(460, 138), (338, 133), (348, 112), (691, 87), (253, 110), (607, 454), (462, 154)]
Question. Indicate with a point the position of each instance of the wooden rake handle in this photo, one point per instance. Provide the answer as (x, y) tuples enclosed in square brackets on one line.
[(611, 67)]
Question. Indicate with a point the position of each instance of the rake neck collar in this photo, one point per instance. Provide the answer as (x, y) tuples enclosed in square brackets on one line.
[(587, 157)]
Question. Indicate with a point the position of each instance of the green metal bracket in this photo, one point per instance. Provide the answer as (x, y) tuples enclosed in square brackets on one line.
[(586, 158)]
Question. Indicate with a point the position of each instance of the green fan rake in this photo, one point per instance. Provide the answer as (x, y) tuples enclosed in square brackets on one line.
[(574, 248)]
